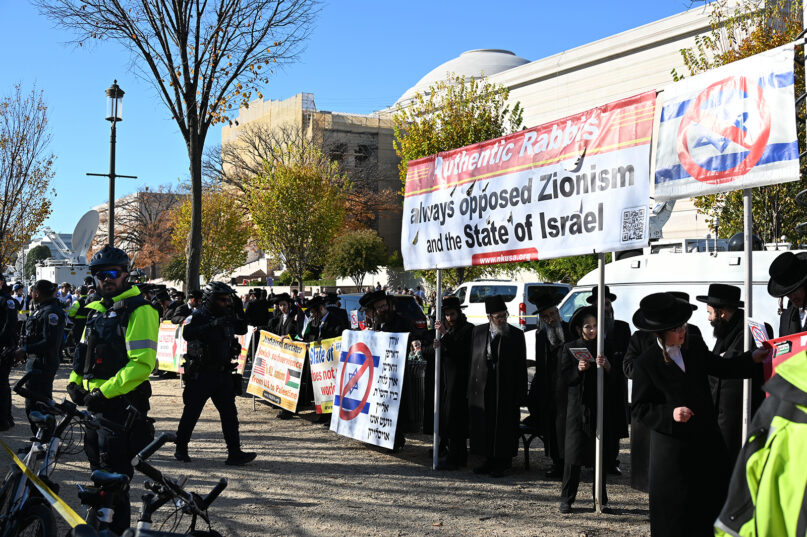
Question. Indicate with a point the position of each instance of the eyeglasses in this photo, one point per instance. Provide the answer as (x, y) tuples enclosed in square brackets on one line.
[(499, 316), (111, 274)]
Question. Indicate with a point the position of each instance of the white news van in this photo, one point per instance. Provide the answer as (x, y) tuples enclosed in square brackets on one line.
[(633, 278)]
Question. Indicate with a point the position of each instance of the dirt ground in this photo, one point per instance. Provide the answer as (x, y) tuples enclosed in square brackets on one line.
[(307, 481)]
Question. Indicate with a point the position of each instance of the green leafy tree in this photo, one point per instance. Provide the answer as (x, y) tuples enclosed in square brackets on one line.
[(224, 233), (174, 269), (753, 26), (355, 254), (204, 58), (26, 170), (34, 256), (453, 113), (298, 208)]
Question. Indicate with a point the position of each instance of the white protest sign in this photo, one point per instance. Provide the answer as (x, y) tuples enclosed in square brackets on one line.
[(575, 186), (322, 359), (369, 384), (729, 128)]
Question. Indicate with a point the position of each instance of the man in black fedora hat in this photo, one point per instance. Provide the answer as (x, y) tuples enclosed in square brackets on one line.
[(788, 279), (497, 388), (284, 324), (724, 309), (617, 338), (333, 304), (455, 344), (547, 396)]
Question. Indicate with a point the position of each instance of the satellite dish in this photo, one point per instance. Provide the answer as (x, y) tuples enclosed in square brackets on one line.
[(84, 233)]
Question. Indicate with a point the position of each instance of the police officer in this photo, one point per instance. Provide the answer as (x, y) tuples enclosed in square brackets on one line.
[(78, 313), (114, 360), (210, 333), (44, 333), (8, 343)]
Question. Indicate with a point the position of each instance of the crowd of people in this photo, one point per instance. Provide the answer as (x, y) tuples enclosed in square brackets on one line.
[(684, 414)]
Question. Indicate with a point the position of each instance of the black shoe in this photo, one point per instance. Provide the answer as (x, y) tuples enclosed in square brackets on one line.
[(565, 508), (445, 466), (181, 454), (614, 470), (484, 469), (554, 473), (607, 510), (241, 458), (399, 444), (285, 415), (499, 469)]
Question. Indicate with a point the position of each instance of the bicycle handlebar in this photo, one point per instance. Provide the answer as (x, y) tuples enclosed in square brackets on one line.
[(213, 494)]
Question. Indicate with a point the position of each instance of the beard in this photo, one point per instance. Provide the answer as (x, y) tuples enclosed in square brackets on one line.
[(721, 327), (608, 323), (554, 333), (500, 330)]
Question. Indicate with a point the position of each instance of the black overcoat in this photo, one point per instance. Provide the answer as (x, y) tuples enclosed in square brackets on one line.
[(789, 321), (455, 360), (640, 341), (689, 466), (496, 390), (727, 394), (616, 345), (547, 396), (581, 407)]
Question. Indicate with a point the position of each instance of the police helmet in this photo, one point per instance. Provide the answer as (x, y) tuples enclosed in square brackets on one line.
[(216, 288), (737, 243), (109, 256)]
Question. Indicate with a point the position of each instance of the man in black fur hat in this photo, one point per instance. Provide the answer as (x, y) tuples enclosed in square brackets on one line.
[(497, 388)]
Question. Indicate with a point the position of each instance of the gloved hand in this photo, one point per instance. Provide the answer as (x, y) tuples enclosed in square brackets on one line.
[(77, 393), (95, 400)]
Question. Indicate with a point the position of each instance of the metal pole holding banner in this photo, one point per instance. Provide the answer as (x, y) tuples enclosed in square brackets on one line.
[(438, 315), (748, 242), (598, 446)]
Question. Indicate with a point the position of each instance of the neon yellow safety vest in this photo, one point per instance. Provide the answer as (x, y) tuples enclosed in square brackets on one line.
[(768, 491), (141, 349)]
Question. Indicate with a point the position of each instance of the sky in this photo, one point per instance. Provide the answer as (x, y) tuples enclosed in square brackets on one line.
[(361, 56)]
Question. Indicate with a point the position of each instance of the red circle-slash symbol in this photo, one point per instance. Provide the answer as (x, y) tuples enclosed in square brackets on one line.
[(702, 113), (359, 349)]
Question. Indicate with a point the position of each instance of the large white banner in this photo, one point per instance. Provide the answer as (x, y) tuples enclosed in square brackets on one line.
[(729, 128), (575, 186), (369, 384)]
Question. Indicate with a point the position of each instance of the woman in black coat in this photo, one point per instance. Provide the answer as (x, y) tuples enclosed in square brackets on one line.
[(581, 409), (689, 463)]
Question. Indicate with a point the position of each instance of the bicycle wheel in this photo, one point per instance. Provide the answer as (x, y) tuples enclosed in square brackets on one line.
[(36, 519)]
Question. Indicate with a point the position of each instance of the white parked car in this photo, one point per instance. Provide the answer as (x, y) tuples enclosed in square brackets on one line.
[(517, 296)]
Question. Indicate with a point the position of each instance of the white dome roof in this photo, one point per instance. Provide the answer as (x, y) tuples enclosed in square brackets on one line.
[(471, 64)]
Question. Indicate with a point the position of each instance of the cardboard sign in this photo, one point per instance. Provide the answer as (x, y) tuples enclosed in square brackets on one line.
[(582, 353), (369, 384), (277, 370), (323, 361)]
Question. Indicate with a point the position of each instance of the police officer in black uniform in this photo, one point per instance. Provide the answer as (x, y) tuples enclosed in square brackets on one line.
[(212, 346), (8, 343), (44, 334)]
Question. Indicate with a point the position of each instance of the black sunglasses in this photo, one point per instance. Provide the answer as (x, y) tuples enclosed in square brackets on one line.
[(110, 274)]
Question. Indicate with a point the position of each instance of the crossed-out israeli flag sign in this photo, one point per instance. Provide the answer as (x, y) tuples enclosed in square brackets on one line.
[(729, 128)]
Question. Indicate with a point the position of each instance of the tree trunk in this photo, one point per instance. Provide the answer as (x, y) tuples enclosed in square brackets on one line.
[(193, 250)]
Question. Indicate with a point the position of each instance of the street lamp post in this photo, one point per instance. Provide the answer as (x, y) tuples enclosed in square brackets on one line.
[(114, 114)]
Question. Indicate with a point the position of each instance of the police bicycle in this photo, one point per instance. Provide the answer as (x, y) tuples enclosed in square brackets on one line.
[(23, 509), (163, 491)]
